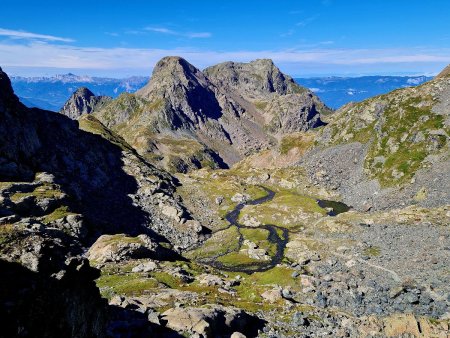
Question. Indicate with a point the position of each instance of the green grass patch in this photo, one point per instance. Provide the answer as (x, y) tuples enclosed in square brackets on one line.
[(40, 192), (279, 275), (261, 238), (260, 105), (237, 259), (57, 214), (121, 238), (219, 243), (90, 124), (372, 251), (167, 279), (128, 284), (280, 210), (7, 234)]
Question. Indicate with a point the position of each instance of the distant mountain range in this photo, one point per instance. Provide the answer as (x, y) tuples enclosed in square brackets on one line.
[(337, 91), (52, 92)]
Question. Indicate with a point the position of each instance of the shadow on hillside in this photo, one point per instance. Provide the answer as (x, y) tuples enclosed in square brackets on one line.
[(88, 167), (35, 305)]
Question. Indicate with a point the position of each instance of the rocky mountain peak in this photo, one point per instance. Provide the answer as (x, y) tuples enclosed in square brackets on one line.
[(83, 101), (174, 64), (256, 79), (83, 92), (172, 74)]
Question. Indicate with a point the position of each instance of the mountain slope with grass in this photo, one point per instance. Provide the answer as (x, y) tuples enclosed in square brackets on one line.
[(388, 150)]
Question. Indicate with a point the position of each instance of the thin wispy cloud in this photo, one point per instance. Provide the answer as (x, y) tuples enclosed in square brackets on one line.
[(307, 21), (288, 33), (190, 35), (41, 54), (161, 30), (14, 34)]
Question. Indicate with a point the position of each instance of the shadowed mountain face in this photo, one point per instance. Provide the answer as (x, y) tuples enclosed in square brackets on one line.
[(106, 181), (185, 118)]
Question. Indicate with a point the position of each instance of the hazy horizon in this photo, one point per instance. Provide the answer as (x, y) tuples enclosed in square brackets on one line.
[(123, 74)]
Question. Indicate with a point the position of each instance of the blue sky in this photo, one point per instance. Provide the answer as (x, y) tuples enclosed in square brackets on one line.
[(303, 37)]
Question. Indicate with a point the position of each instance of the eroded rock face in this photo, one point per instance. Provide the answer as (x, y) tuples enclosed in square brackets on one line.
[(285, 106)]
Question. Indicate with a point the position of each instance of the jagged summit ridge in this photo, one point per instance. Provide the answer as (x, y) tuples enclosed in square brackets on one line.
[(256, 78), (184, 89), (229, 111)]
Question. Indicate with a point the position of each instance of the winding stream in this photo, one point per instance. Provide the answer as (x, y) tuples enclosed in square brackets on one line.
[(274, 238), (277, 235)]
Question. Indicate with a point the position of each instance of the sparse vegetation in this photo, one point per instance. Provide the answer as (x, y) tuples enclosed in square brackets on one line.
[(125, 284), (301, 141), (372, 251), (40, 192), (58, 213)]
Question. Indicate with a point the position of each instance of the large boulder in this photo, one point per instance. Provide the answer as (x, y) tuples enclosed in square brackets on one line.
[(211, 321), (116, 248)]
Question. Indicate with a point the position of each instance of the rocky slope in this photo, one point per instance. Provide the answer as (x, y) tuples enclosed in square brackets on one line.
[(82, 101), (285, 106), (185, 118), (389, 150), (59, 192), (108, 180)]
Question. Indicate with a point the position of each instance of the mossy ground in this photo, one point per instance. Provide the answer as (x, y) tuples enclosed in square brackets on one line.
[(372, 251), (7, 234), (403, 124), (40, 192), (90, 124), (117, 279), (222, 184), (288, 209), (218, 244), (58, 213), (126, 284)]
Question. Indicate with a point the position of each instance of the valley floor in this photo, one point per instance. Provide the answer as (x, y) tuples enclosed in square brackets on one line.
[(379, 274)]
